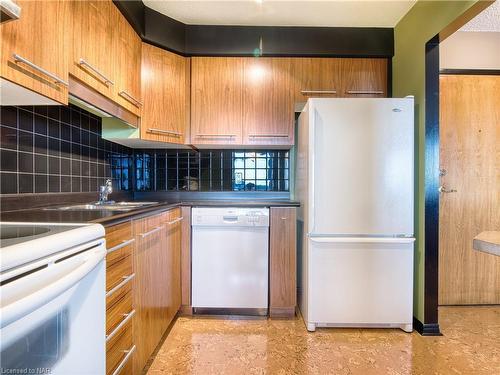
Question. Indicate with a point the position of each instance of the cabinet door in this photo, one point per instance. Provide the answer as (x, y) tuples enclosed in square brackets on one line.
[(282, 262), (364, 78), (268, 104), (92, 45), (216, 100), (126, 55), (40, 37), (316, 77), (149, 288), (165, 94)]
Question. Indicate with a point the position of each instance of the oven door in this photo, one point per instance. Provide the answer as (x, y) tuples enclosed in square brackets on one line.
[(53, 319)]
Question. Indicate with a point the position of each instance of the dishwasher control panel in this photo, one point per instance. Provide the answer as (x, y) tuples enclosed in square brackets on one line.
[(230, 216)]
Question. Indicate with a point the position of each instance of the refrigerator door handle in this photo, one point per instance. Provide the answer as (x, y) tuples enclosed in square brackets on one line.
[(362, 239)]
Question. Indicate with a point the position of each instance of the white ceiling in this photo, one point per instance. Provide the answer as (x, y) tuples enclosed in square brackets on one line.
[(332, 13), (487, 20)]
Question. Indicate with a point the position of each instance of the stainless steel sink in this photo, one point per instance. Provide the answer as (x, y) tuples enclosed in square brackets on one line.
[(96, 206)]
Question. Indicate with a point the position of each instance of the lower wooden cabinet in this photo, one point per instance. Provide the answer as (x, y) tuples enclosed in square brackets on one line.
[(282, 262), (120, 309), (143, 284)]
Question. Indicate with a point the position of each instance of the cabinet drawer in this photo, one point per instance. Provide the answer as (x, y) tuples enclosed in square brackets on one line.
[(119, 252), (118, 312), (117, 234), (119, 291), (118, 350), (118, 272)]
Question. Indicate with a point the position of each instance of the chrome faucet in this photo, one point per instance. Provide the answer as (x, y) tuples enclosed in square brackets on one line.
[(104, 191)]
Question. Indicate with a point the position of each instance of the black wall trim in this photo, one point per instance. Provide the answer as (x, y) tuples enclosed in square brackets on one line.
[(471, 72), (431, 216), (207, 40), (426, 329)]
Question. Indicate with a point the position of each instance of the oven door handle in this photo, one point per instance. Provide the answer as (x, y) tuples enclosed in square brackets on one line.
[(48, 288)]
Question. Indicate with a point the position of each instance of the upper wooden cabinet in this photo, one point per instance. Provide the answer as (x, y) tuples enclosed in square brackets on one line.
[(165, 92), (39, 41), (364, 77), (91, 60), (126, 67), (268, 101), (216, 100), (316, 77)]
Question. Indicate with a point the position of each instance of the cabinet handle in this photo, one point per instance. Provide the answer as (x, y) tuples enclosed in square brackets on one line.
[(283, 218), (175, 221), (106, 80), (365, 92), (126, 318), (269, 136), (306, 92), (18, 59), (151, 232), (215, 135), (161, 131), (119, 246), (126, 279), (125, 95), (124, 360)]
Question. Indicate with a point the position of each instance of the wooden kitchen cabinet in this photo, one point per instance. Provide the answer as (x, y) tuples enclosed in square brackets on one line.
[(91, 60), (268, 102), (363, 77), (216, 100), (120, 306), (316, 77), (39, 37), (282, 262), (126, 55), (165, 81), (157, 286)]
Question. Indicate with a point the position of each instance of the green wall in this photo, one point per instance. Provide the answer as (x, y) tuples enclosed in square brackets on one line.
[(419, 25)]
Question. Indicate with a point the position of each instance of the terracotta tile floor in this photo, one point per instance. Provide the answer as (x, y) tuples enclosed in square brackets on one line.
[(470, 345)]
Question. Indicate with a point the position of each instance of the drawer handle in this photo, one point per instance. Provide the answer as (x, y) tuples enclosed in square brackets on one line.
[(119, 246), (151, 232), (18, 59), (175, 221), (306, 92), (106, 80), (126, 279), (161, 131), (124, 360), (126, 318), (125, 95), (283, 218), (365, 92)]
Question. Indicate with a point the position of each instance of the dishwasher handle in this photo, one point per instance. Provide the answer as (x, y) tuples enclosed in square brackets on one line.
[(230, 219)]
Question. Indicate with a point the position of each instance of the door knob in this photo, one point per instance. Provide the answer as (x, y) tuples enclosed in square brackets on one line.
[(443, 189)]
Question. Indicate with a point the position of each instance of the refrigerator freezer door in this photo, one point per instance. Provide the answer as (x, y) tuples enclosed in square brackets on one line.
[(365, 282), (362, 167)]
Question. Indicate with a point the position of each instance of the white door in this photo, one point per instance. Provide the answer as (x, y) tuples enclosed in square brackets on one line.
[(362, 161), (361, 281), (53, 320)]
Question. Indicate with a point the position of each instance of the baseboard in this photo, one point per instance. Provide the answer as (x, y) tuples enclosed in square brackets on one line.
[(282, 312), (430, 329), (186, 310)]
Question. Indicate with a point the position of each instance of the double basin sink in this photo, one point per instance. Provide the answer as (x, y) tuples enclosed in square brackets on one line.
[(104, 206)]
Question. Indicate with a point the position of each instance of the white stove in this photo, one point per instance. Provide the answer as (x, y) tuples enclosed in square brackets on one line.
[(52, 310)]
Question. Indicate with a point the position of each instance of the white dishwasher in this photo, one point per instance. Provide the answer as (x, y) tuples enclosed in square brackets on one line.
[(230, 260)]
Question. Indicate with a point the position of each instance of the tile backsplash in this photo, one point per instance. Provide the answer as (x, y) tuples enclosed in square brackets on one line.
[(211, 170), (52, 149), (59, 149)]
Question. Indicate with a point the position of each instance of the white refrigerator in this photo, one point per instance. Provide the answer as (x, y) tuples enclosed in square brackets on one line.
[(354, 179)]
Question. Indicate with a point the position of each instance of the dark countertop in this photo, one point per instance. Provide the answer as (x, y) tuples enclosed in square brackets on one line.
[(105, 218)]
